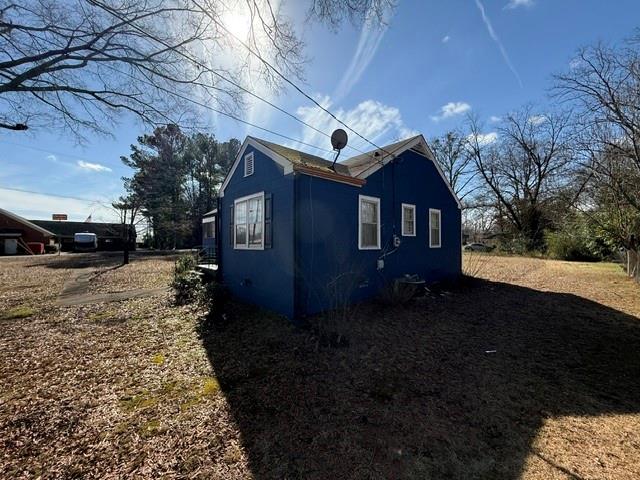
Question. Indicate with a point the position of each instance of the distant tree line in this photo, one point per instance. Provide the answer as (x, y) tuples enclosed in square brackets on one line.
[(565, 180), (175, 181)]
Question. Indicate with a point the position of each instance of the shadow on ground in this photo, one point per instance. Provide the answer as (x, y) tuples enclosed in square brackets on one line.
[(415, 393)]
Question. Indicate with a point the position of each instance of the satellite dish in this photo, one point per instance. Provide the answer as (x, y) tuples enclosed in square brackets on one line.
[(339, 139)]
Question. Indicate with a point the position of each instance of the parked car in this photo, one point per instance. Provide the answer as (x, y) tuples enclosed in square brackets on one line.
[(478, 247)]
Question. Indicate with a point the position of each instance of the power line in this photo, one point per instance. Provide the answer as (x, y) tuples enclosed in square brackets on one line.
[(235, 84), (283, 77), (221, 112), (54, 195), (45, 150)]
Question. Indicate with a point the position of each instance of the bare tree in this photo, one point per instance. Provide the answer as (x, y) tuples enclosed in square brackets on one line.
[(130, 209), (79, 64), (452, 155), (334, 12), (604, 83), (525, 166)]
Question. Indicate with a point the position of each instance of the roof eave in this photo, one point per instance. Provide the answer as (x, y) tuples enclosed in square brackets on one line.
[(26, 222), (333, 176)]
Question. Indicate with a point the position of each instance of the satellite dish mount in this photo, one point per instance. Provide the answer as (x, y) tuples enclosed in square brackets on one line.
[(338, 142)]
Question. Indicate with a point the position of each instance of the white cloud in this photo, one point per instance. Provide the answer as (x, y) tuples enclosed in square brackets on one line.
[(370, 38), (406, 132), (494, 119), (496, 39), (372, 119), (52, 158), (451, 109), (446, 38), (537, 119), (485, 139), (94, 167), (519, 3)]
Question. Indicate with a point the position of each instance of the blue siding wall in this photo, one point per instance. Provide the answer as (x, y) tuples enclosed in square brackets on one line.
[(331, 268), (263, 277)]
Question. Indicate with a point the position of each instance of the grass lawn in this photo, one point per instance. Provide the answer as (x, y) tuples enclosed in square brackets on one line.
[(530, 371)]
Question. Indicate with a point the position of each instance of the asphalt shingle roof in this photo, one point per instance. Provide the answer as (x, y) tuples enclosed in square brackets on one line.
[(301, 158), (351, 167), (361, 163)]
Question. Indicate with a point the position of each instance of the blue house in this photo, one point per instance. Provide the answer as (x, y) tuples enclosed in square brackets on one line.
[(298, 237)]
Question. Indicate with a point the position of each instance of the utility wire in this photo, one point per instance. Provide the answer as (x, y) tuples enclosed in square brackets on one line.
[(221, 112), (235, 84), (44, 150), (284, 77), (55, 195)]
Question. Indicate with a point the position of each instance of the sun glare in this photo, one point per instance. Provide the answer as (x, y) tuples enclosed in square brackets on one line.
[(238, 22)]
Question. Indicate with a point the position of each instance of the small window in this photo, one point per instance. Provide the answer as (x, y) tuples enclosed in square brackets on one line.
[(248, 164), (209, 229), (435, 236), (249, 222), (408, 220), (369, 223)]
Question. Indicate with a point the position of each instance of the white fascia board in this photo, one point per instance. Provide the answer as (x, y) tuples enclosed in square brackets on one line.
[(250, 141)]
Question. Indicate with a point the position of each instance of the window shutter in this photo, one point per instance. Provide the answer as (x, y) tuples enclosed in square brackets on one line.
[(231, 227), (268, 201)]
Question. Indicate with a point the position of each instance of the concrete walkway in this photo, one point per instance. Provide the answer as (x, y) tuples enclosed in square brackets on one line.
[(75, 291)]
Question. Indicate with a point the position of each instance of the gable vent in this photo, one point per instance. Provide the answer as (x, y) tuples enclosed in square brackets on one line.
[(248, 164)]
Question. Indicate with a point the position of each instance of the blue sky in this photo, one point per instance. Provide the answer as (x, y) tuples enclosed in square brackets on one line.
[(435, 62)]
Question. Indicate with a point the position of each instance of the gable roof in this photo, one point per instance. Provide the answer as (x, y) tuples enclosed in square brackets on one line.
[(361, 164), (304, 159), (26, 223), (353, 171)]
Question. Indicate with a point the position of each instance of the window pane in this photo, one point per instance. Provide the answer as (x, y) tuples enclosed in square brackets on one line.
[(408, 227), (369, 212), (369, 235), (435, 220), (435, 234), (408, 220), (241, 212), (209, 230), (255, 234), (241, 235), (255, 210)]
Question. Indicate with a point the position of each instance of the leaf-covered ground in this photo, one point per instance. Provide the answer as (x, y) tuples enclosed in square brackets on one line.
[(531, 371)]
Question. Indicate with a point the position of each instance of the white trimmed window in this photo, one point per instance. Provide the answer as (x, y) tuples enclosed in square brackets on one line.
[(249, 222), (248, 164), (408, 220), (435, 228), (368, 223)]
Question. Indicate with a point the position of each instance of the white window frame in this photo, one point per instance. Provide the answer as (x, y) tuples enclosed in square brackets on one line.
[(431, 245), (246, 199), (205, 226), (247, 157), (413, 214), (375, 200)]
